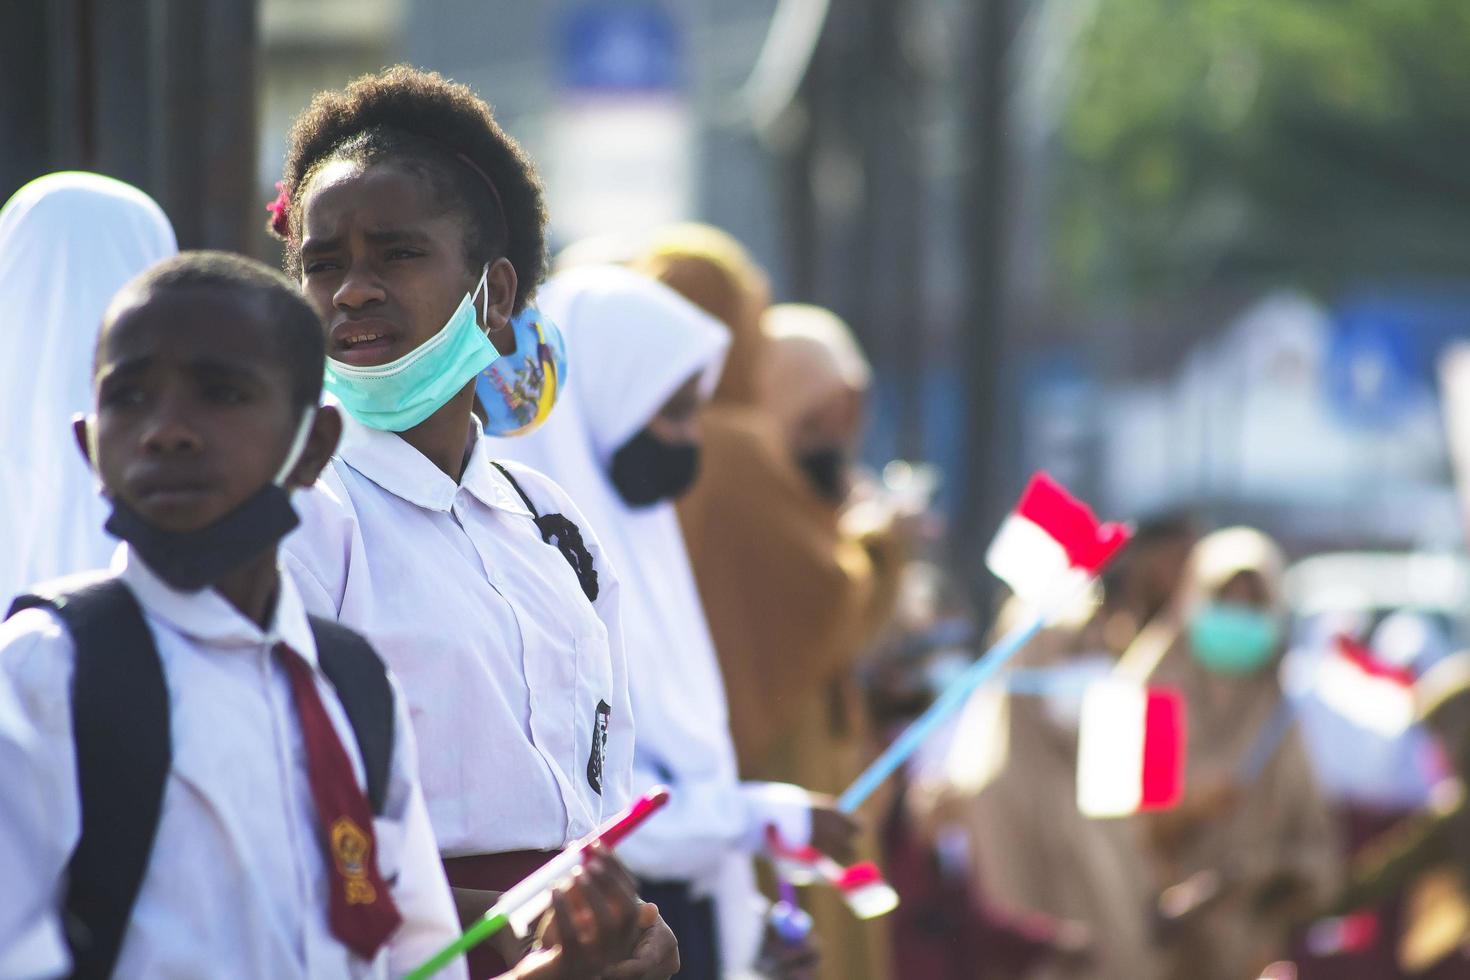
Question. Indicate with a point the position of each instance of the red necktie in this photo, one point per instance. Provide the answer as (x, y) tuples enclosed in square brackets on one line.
[(362, 912)]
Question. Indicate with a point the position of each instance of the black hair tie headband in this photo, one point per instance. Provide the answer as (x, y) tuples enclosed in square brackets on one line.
[(280, 208)]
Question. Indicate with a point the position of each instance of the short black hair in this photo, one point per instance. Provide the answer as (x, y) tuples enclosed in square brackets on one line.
[(300, 339), (438, 130)]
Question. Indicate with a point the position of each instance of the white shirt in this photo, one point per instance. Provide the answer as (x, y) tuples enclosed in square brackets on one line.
[(237, 883), (508, 670)]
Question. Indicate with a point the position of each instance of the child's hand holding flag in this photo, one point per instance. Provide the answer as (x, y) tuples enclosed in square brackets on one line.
[(530, 897)]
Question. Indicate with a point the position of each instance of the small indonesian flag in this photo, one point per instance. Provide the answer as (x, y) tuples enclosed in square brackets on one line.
[(1130, 752), (1051, 543), (862, 887), (1365, 690), (1348, 935)]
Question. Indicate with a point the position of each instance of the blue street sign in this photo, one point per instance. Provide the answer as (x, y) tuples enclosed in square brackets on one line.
[(619, 47)]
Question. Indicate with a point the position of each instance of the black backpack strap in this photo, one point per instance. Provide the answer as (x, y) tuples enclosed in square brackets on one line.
[(557, 530), (361, 682), (120, 722), (515, 485)]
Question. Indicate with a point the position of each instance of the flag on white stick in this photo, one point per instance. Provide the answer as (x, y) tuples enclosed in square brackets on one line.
[(1367, 691), (1051, 545), (861, 886), (1130, 749), (1048, 550)]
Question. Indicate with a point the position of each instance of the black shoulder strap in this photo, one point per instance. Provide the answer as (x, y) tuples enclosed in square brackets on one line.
[(120, 722), (361, 682), (557, 530), (515, 485)]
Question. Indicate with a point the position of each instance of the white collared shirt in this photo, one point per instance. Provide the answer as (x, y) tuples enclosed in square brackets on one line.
[(510, 673), (237, 883)]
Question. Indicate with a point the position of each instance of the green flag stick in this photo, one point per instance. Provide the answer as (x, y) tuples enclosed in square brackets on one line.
[(488, 925)]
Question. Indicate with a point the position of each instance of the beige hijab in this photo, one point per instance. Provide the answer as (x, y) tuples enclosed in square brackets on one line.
[(814, 361), (1275, 826)]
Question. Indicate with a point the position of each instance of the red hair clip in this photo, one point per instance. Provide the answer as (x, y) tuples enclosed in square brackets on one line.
[(280, 210)]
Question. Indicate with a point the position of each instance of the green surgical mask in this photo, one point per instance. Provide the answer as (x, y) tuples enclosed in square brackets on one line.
[(402, 393), (1233, 639)]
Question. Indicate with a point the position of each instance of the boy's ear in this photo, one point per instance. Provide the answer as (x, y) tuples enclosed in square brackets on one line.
[(326, 430), (79, 430)]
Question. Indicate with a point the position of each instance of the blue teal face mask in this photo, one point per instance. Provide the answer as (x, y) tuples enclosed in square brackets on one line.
[(1233, 639), (402, 393), (519, 390)]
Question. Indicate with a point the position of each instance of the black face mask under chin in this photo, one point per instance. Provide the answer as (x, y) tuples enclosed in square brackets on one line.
[(647, 469), (827, 471), (192, 560)]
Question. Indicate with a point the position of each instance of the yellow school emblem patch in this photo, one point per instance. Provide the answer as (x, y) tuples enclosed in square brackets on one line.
[(351, 851)]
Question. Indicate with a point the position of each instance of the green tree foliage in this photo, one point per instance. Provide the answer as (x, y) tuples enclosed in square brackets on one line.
[(1322, 141)]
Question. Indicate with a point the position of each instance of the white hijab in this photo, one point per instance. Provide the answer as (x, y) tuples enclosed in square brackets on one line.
[(631, 343), (68, 242)]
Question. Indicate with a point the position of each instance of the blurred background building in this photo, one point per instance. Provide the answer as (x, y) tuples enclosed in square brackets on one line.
[(1197, 255)]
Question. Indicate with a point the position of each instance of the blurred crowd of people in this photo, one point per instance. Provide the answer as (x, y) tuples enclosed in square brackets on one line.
[(607, 531)]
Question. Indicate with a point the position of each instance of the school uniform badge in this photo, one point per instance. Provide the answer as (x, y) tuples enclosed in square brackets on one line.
[(351, 850), (599, 746)]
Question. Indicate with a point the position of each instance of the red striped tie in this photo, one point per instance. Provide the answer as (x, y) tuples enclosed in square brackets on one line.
[(362, 912)]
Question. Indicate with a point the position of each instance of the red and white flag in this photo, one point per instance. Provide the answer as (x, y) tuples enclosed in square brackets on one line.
[(1366, 690), (861, 886), (1130, 751), (1348, 935), (1051, 544)]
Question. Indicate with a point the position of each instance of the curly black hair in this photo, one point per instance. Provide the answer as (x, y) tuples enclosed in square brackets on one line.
[(438, 130)]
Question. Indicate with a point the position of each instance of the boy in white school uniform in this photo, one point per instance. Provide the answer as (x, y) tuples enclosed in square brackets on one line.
[(201, 781)]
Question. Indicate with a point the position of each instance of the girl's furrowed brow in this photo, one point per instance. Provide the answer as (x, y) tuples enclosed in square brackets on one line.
[(398, 236), (316, 246)]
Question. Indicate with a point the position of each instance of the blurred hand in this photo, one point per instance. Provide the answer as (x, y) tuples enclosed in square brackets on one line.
[(1074, 941), (594, 922), (834, 833), (655, 954), (1191, 896), (782, 960)]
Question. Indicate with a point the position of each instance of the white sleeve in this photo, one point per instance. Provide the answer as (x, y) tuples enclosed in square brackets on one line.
[(421, 891), (40, 817), (706, 819), (318, 554)]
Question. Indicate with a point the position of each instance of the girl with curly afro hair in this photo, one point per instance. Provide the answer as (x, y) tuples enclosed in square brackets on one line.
[(416, 228)]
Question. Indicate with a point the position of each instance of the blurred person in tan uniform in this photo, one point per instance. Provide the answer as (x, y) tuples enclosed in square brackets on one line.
[(1141, 584), (793, 596), (1251, 850), (1030, 849), (816, 387)]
